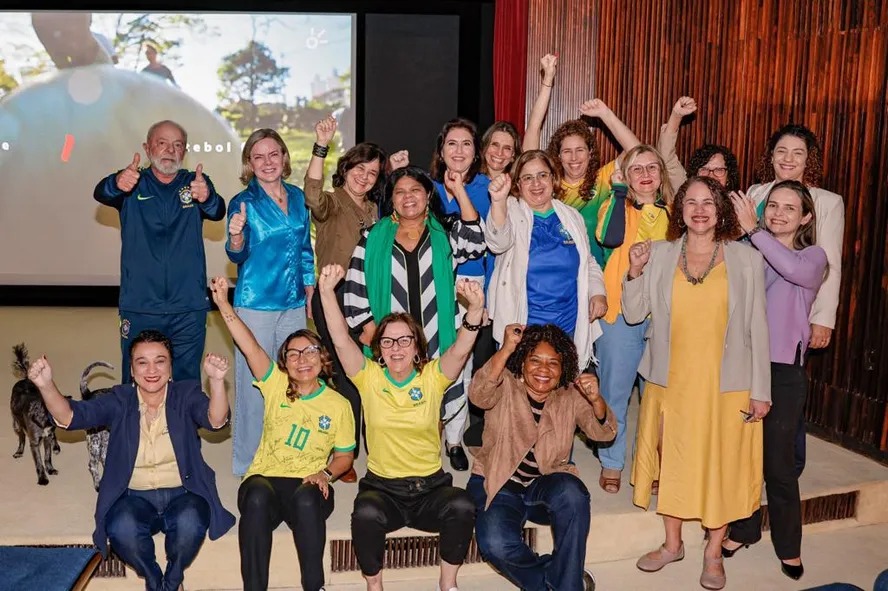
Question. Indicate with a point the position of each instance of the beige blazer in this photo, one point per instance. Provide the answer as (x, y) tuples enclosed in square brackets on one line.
[(830, 213), (746, 362)]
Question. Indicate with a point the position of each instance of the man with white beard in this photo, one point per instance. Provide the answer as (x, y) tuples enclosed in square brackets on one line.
[(162, 263)]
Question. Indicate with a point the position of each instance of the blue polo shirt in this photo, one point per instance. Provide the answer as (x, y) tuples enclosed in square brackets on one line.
[(552, 274)]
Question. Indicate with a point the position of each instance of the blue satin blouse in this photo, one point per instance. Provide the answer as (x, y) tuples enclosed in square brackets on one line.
[(276, 262)]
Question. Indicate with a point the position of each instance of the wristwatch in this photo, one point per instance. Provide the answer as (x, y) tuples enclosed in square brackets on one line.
[(328, 474)]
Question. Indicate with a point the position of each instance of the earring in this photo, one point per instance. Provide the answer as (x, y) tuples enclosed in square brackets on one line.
[(395, 217), (381, 361), (416, 359)]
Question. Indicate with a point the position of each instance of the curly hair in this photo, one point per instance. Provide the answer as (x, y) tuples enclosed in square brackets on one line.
[(419, 339), (813, 174), (361, 154), (505, 127), (805, 234), (727, 227), (579, 128), (704, 154), (326, 360), (543, 157), (559, 340), (438, 167)]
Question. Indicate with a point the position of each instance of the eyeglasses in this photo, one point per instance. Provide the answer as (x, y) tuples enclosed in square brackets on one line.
[(403, 342), (310, 352), (717, 172), (652, 169), (527, 179)]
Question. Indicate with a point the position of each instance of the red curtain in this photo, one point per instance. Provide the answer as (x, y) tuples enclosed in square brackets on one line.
[(510, 61)]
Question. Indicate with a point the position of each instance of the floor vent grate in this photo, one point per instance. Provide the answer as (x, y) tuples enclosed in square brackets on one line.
[(111, 567), (408, 552)]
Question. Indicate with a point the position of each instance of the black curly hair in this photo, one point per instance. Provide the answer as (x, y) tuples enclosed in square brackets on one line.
[(546, 333), (704, 153)]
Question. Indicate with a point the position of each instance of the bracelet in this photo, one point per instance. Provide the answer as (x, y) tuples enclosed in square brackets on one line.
[(319, 150), (753, 231), (328, 474), (471, 327), (549, 85)]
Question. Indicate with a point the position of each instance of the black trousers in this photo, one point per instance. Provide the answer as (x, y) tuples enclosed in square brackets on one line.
[(429, 504), (789, 387), (265, 501), (342, 384)]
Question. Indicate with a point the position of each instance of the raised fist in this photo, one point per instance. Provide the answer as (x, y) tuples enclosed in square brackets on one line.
[(325, 129), (684, 106), (499, 188)]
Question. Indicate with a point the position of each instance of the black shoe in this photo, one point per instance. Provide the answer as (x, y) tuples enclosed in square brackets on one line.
[(728, 553), (458, 459), (792, 571), (588, 580)]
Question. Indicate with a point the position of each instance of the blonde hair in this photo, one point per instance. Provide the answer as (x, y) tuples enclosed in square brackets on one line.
[(256, 137), (665, 192)]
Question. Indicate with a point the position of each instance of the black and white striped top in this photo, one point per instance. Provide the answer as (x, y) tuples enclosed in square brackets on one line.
[(528, 470)]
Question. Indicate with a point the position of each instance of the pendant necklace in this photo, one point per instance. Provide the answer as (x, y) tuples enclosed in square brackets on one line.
[(684, 262)]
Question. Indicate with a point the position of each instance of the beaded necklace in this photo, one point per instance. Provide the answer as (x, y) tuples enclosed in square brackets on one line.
[(684, 262)]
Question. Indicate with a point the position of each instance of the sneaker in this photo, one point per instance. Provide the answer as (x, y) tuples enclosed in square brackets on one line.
[(588, 580)]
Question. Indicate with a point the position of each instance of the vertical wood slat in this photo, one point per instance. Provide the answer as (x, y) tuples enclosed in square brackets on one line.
[(754, 65)]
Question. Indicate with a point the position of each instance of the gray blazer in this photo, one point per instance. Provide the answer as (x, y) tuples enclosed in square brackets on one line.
[(746, 362)]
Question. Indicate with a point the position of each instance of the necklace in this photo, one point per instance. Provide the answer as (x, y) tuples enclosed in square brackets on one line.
[(684, 262)]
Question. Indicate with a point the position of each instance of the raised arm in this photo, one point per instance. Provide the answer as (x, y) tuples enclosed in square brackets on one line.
[(683, 107), (635, 300), (534, 127), (112, 189), (498, 230), (209, 202), (349, 354), (455, 357), (453, 182), (58, 406), (237, 247), (624, 136), (320, 203), (216, 366), (257, 359), (485, 391)]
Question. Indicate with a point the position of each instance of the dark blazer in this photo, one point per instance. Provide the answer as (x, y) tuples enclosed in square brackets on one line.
[(186, 410), (746, 361)]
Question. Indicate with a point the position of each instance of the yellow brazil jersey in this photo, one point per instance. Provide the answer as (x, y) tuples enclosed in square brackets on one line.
[(402, 419), (298, 436)]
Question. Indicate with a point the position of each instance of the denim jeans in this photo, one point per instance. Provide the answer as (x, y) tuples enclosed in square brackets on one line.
[(270, 330), (619, 351), (560, 500), (135, 517)]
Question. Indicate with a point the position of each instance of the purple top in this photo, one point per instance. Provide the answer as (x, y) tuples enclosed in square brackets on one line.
[(792, 278)]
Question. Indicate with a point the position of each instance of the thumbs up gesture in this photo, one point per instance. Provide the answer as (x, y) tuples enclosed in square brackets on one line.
[(200, 192), (128, 178), (238, 221)]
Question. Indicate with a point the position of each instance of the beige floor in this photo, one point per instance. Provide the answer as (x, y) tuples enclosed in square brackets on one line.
[(62, 511)]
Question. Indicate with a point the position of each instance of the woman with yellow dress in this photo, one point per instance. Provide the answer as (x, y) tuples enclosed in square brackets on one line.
[(707, 365)]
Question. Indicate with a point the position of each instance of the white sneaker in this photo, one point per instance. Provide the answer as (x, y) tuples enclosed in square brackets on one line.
[(588, 580)]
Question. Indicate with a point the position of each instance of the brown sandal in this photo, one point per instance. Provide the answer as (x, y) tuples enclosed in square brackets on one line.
[(655, 488), (609, 484)]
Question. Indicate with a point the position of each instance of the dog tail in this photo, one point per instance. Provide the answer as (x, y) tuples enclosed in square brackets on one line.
[(85, 393), (20, 362)]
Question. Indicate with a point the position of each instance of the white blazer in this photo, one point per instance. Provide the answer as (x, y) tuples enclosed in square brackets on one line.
[(507, 294)]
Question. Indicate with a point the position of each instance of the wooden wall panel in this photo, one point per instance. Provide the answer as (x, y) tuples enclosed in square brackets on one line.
[(754, 65)]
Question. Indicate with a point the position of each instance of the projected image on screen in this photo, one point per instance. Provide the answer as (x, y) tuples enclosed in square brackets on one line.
[(79, 90)]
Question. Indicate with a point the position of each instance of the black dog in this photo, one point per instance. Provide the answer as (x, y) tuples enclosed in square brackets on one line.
[(96, 439), (29, 416)]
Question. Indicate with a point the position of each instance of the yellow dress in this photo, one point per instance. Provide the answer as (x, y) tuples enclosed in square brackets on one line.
[(711, 465)]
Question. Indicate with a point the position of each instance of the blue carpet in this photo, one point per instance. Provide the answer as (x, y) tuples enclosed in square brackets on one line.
[(44, 569)]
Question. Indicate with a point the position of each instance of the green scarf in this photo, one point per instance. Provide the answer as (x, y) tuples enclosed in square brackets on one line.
[(378, 274)]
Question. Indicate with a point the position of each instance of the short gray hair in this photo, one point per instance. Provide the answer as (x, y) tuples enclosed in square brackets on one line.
[(159, 124)]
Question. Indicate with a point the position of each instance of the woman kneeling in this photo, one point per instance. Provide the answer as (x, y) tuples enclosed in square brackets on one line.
[(155, 478), (289, 478), (535, 398)]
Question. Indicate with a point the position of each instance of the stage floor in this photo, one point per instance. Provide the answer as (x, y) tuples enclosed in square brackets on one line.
[(62, 512)]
